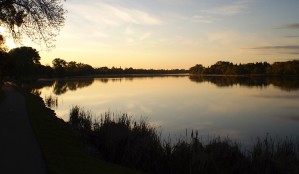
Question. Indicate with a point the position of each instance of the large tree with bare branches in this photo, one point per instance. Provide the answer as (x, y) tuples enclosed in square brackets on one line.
[(40, 20)]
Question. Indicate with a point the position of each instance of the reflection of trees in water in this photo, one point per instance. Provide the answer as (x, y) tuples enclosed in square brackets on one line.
[(51, 101), (35, 92), (39, 84), (135, 77), (103, 80), (288, 83), (106, 80), (62, 86), (283, 83), (35, 88)]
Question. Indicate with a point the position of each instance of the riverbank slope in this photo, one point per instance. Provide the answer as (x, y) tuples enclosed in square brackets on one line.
[(62, 149)]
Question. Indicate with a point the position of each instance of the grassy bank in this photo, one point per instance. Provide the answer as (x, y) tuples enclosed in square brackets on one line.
[(124, 141), (2, 95), (62, 147)]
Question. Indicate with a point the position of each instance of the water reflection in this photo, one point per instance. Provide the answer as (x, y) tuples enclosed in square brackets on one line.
[(35, 88), (131, 78), (51, 101), (62, 86), (283, 83), (295, 97), (225, 106)]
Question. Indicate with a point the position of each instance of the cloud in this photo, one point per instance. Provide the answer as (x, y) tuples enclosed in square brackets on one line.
[(106, 24), (145, 36), (291, 36), (138, 38), (134, 16), (287, 47), (292, 117), (289, 26), (129, 31), (109, 14), (229, 10), (202, 19)]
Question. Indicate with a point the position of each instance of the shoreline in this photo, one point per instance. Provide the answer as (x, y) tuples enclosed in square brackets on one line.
[(115, 76), (166, 75), (57, 141)]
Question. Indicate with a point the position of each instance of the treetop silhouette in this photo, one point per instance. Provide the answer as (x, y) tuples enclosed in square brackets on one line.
[(39, 20)]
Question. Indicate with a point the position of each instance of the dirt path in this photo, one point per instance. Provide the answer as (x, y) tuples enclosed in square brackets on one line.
[(19, 150)]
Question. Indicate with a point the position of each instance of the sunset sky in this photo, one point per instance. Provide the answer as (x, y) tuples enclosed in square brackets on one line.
[(176, 33)]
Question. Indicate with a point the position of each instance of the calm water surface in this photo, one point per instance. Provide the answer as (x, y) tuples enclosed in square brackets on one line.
[(240, 108)]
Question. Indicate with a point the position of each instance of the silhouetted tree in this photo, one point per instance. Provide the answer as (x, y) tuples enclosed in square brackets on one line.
[(59, 66), (83, 69), (285, 68), (45, 71), (5, 66), (2, 44), (258, 68), (114, 70), (221, 67), (40, 20), (25, 60), (72, 67), (197, 69), (63, 68)]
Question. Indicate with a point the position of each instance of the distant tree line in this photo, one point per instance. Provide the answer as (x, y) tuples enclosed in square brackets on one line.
[(263, 68), (24, 62), (114, 70), (63, 68)]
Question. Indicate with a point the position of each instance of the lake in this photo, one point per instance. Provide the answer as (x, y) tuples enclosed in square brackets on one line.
[(242, 108)]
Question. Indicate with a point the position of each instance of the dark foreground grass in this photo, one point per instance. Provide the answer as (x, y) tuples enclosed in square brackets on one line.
[(121, 140), (62, 148), (2, 95)]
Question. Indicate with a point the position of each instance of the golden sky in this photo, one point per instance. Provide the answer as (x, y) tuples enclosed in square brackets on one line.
[(176, 33)]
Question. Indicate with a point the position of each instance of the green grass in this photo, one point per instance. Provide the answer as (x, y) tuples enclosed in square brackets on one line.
[(62, 148), (2, 95)]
